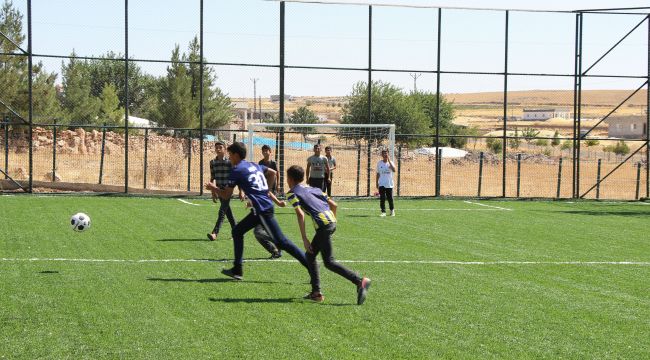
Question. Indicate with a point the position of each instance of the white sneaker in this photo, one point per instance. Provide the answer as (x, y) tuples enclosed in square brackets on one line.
[(392, 213), (382, 215)]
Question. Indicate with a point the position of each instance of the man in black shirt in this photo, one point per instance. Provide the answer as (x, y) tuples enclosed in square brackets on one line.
[(266, 161)]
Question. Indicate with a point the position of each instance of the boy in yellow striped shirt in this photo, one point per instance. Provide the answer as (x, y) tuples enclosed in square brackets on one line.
[(322, 210)]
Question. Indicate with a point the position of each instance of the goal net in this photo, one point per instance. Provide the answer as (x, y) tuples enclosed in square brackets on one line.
[(356, 149)]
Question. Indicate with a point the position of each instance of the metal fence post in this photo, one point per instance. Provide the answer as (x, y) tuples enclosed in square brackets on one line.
[(30, 93), (437, 183), (54, 151), (201, 124), (598, 179), (7, 148), (189, 159), (480, 173), (358, 167), (518, 174), (126, 96), (101, 158), (399, 168), (368, 177), (638, 181), (146, 146), (559, 179), (505, 108), (439, 173)]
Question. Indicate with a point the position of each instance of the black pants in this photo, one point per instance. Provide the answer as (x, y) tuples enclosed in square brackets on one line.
[(322, 243), (385, 193), (317, 183), (270, 224), (328, 185), (224, 211), (265, 239)]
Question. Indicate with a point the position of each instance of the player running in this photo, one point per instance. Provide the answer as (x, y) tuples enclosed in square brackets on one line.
[(253, 179), (322, 210)]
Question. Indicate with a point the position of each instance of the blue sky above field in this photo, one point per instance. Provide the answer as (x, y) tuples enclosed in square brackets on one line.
[(247, 31)]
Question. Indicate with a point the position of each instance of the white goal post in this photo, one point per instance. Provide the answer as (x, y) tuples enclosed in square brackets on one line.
[(355, 148), (369, 132)]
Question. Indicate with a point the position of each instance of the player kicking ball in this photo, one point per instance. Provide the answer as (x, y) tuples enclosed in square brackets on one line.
[(253, 179), (322, 210)]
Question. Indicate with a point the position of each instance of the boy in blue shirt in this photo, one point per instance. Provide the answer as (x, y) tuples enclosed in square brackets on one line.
[(322, 210), (253, 179)]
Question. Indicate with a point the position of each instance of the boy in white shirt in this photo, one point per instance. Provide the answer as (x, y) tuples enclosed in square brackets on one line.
[(385, 170)]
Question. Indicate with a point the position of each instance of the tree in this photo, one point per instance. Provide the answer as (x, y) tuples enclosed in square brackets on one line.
[(110, 111), (529, 134), (515, 142), (109, 69), (556, 139), (621, 148), (495, 145), (389, 106), (428, 103), (79, 106), (176, 105), (303, 115)]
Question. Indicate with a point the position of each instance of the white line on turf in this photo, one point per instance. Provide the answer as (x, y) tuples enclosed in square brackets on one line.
[(187, 202), (489, 206), (431, 262), (441, 209)]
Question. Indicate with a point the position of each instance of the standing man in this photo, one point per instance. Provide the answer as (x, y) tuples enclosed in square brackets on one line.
[(317, 169), (385, 170), (253, 179), (219, 172), (266, 161), (331, 162)]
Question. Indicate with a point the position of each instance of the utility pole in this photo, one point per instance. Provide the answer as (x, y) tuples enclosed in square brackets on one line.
[(415, 77), (260, 107), (254, 80)]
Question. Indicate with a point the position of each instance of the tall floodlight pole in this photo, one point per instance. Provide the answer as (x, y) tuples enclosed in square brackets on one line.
[(415, 77)]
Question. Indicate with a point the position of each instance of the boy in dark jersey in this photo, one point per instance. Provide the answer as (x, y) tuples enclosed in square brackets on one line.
[(322, 210), (253, 179)]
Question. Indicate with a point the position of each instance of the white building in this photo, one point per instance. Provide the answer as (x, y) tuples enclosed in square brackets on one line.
[(545, 114)]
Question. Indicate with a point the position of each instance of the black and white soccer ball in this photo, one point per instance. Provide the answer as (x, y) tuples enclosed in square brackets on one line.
[(80, 222)]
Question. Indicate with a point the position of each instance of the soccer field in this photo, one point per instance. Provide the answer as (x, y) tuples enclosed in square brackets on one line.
[(451, 279)]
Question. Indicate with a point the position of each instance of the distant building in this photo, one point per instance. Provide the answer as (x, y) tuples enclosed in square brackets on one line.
[(545, 114), (627, 127), (276, 98)]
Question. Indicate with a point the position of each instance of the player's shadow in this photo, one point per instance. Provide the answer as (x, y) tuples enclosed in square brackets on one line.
[(202, 239), (48, 272), (215, 280), (358, 215), (252, 300)]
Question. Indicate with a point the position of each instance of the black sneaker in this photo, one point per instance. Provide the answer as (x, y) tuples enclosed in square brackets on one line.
[(236, 275), (212, 236), (314, 296), (276, 255), (362, 290)]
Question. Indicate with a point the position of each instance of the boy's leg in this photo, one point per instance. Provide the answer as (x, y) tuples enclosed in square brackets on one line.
[(328, 186), (224, 207), (382, 199), (229, 215), (323, 242), (271, 226), (389, 196), (264, 239), (238, 232)]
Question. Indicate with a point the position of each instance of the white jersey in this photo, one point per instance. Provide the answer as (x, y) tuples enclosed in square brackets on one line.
[(385, 174)]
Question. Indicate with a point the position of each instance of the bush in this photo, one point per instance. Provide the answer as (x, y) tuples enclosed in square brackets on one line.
[(541, 142), (495, 145)]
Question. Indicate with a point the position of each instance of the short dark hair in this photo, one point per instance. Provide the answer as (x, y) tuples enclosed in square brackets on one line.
[(237, 148), (328, 148), (384, 151), (266, 147), (316, 145), (296, 173)]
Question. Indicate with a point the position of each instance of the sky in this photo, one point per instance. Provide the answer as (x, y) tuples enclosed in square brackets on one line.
[(335, 35)]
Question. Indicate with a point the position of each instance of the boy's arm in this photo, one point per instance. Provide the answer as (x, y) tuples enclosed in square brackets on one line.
[(332, 205), (270, 177), (392, 167), (377, 180), (327, 169), (307, 170), (301, 223), (276, 201)]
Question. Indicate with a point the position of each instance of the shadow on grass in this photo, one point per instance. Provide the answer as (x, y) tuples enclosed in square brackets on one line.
[(215, 280), (48, 272), (280, 300), (202, 239), (608, 213), (357, 215), (253, 300)]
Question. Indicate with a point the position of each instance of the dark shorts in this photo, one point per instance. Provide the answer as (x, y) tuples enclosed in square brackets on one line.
[(317, 183)]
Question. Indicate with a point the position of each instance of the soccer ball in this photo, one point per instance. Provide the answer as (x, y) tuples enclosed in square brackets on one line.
[(80, 222)]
